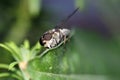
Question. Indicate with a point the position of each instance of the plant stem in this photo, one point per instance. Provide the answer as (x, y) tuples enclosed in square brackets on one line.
[(23, 68)]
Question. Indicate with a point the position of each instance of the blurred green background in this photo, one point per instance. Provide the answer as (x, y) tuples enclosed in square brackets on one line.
[(97, 36)]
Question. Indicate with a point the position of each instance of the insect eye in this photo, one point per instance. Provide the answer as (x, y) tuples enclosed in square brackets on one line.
[(41, 41), (47, 36)]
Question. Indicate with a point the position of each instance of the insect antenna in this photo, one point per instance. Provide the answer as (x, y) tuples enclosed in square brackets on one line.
[(62, 24), (64, 21)]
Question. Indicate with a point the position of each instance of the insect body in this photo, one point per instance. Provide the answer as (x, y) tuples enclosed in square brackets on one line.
[(54, 37)]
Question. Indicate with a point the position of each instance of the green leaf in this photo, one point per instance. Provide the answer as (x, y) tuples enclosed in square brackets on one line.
[(6, 47), (35, 50), (5, 66), (14, 54), (11, 66), (25, 53), (50, 76), (26, 44), (4, 74), (34, 7), (85, 53), (13, 49), (10, 75)]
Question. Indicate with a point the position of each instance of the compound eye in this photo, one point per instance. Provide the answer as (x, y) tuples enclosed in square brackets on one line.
[(41, 41), (47, 36)]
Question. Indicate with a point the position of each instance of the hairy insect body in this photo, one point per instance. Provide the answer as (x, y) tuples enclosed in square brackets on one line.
[(52, 38)]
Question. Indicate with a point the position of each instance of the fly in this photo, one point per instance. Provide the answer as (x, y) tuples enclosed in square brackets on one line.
[(56, 36)]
